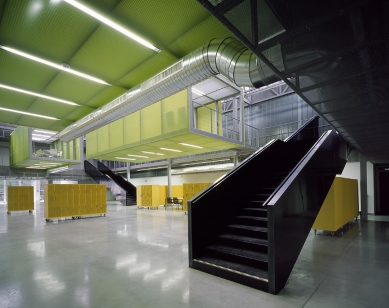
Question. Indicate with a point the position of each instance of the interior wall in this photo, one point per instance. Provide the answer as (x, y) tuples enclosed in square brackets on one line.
[(352, 171), (4, 154), (179, 179)]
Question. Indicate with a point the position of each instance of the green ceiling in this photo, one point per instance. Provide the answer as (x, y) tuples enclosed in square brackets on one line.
[(209, 144), (58, 32)]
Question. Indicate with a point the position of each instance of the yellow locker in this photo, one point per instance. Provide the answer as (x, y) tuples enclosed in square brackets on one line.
[(162, 194), (339, 207), (93, 196), (20, 198), (139, 195)]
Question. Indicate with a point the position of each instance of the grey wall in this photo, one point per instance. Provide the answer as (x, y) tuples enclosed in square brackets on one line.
[(4, 154)]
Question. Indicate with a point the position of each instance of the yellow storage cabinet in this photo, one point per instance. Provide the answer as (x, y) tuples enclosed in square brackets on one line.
[(147, 196), (192, 189), (20, 198), (74, 200), (340, 206)]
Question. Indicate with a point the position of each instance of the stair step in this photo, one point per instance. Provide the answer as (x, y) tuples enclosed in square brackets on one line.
[(252, 218), (250, 228), (259, 209), (240, 254), (247, 230), (238, 238), (255, 211), (240, 268)]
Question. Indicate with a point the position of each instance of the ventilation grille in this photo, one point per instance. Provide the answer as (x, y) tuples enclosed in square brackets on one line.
[(176, 67)]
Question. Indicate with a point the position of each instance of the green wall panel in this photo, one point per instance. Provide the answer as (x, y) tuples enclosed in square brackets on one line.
[(19, 147), (150, 122), (131, 125), (91, 141), (103, 139), (116, 134), (158, 121), (175, 113)]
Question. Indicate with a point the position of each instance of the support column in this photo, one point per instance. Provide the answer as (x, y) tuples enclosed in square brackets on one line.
[(169, 177), (235, 117), (236, 159), (242, 138), (363, 186), (128, 171)]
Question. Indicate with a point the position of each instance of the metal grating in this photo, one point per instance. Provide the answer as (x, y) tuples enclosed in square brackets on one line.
[(334, 55)]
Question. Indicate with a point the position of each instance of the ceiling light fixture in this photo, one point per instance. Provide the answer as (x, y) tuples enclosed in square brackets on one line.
[(55, 170), (28, 113), (25, 55), (152, 153), (35, 168), (138, 156), (191, 145), (198, 92), (112, 24), (38, 95), (125, 158), (44, 132), (47, 137), (166, 149)]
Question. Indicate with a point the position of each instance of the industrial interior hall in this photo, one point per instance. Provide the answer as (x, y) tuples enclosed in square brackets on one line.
[(209, 153)]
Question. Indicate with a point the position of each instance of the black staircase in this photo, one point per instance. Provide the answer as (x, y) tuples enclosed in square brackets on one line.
[(250, 225), (122, 190), (119, 180)]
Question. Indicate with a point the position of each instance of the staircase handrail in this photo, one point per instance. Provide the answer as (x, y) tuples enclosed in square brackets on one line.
[(291, 215)]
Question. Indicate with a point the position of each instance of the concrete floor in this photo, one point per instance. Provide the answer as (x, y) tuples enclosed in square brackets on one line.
[(139, 258)]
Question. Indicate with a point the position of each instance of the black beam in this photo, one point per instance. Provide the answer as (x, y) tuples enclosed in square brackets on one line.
[(307, 27), (254, 22)]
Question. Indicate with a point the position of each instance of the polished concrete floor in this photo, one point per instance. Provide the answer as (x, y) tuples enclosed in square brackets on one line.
[(139, 258)]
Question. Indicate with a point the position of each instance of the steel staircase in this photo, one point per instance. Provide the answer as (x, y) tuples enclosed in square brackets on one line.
[(250, 226)]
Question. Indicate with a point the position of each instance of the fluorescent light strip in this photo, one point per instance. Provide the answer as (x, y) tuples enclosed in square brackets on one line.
[(112, 24), (20, 53), (48, 163), (43, 131), (47, 137), (143, 169), (138, 156), (205, 162), (152, 153), (28, 113), (38, 95), (191, 145), (166, 149), (198, 92), (34, 168), (125, 158)]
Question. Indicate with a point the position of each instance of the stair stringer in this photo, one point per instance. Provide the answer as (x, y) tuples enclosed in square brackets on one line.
[(293, 208)]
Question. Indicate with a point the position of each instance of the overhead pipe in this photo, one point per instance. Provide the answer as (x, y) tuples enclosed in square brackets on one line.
[(227, 57)]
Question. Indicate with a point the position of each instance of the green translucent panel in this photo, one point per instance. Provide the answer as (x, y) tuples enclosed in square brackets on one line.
[(150, 128), (103, 139), (116, 134), (175, 113), (131, 129), (19, 147), (77, 147), (158, 121), (209, 119), (91, 141), (71, 149)]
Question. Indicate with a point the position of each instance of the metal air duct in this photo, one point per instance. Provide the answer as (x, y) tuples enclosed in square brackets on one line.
[(227, 57)]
